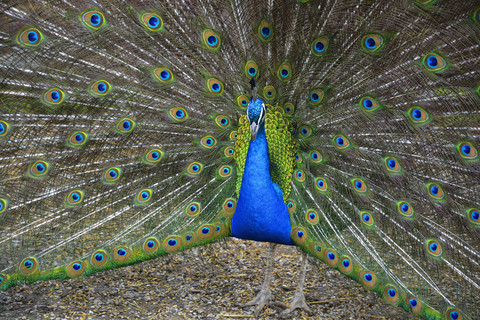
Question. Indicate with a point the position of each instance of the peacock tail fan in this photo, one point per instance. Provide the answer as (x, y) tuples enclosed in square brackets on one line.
[(123, 136)]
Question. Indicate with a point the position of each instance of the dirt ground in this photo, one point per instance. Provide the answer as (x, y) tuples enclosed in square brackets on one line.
[(203, 283)]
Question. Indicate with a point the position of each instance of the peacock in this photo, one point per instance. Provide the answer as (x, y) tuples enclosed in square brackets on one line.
[(131, 130)]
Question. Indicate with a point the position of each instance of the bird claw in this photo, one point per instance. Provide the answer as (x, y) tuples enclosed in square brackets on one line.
[(263, 298), (298, 302)]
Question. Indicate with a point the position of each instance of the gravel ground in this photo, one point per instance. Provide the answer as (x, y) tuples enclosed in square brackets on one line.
[(202, 283)]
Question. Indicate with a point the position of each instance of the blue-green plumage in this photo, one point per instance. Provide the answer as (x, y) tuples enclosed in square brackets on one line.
[(261, 214), (124, 137)]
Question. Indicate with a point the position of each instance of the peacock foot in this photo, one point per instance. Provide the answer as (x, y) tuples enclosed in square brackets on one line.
[(298, 302), (263, 298)]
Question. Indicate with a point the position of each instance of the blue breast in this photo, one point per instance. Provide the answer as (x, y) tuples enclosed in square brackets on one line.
[(261, 214)]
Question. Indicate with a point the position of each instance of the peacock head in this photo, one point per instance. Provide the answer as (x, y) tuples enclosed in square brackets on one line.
[(256, 115)]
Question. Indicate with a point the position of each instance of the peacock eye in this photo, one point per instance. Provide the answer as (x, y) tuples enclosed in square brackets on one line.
[(372, 43), (315, 96), (53, 97), (151, 21), (284, 71), (265, 31), (434, 62), (162, 74), (319, 46), (251, 69), (29, 37), (269, 92), (93, 19), (369, 104), (215, 86), (211, 39)]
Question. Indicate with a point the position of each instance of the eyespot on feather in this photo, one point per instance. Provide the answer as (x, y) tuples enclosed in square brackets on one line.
[(77, 139), (125, 126), (369, 104), (152, 156), (151, 21), (39, 169), (418, 115), (359, 186), (92, 19), (284, 71), (99, 258), (53, 97), (269, 93), (178, 114), (233, 135), (76, 268), (315, 96), (121, 254), (289, 108), (229, 152), (331, 257), (298, 158), (265, 31), (316, 157), (150, 245), (3, 205), (341, 142), (434, 62), (414, 304), (372, 43), (143, 197), (29, 37), (225, 171), (242, 101), (305, 131), (312, 217), (74, 198), (321, 184), (162, 74), (28, 266), (208, 142), (435, 191), (392, 165), (251, 69), (111, 175), (299, 175), (434, 248), (100, 88), (368, 279), (214, 86), (319, 46), (193, 209), (473, 215), (291, 206), (229, 206), (390, 293), (405, 209), (206, 231), (345, 266), (4, 129), (194, 168), (367, 219), (299, 235), (453, 314), (222, 121), (211, 39), (467, 151)]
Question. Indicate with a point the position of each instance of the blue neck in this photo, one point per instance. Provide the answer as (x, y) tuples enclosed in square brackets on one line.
[(261, 214)]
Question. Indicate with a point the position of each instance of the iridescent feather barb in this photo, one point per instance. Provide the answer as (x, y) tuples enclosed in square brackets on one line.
[(133, 130)]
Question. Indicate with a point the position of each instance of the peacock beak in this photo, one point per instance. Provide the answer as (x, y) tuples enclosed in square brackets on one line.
[(254, 130)]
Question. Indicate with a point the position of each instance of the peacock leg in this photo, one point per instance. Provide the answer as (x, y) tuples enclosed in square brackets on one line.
[(298, 301), (264, 297)]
